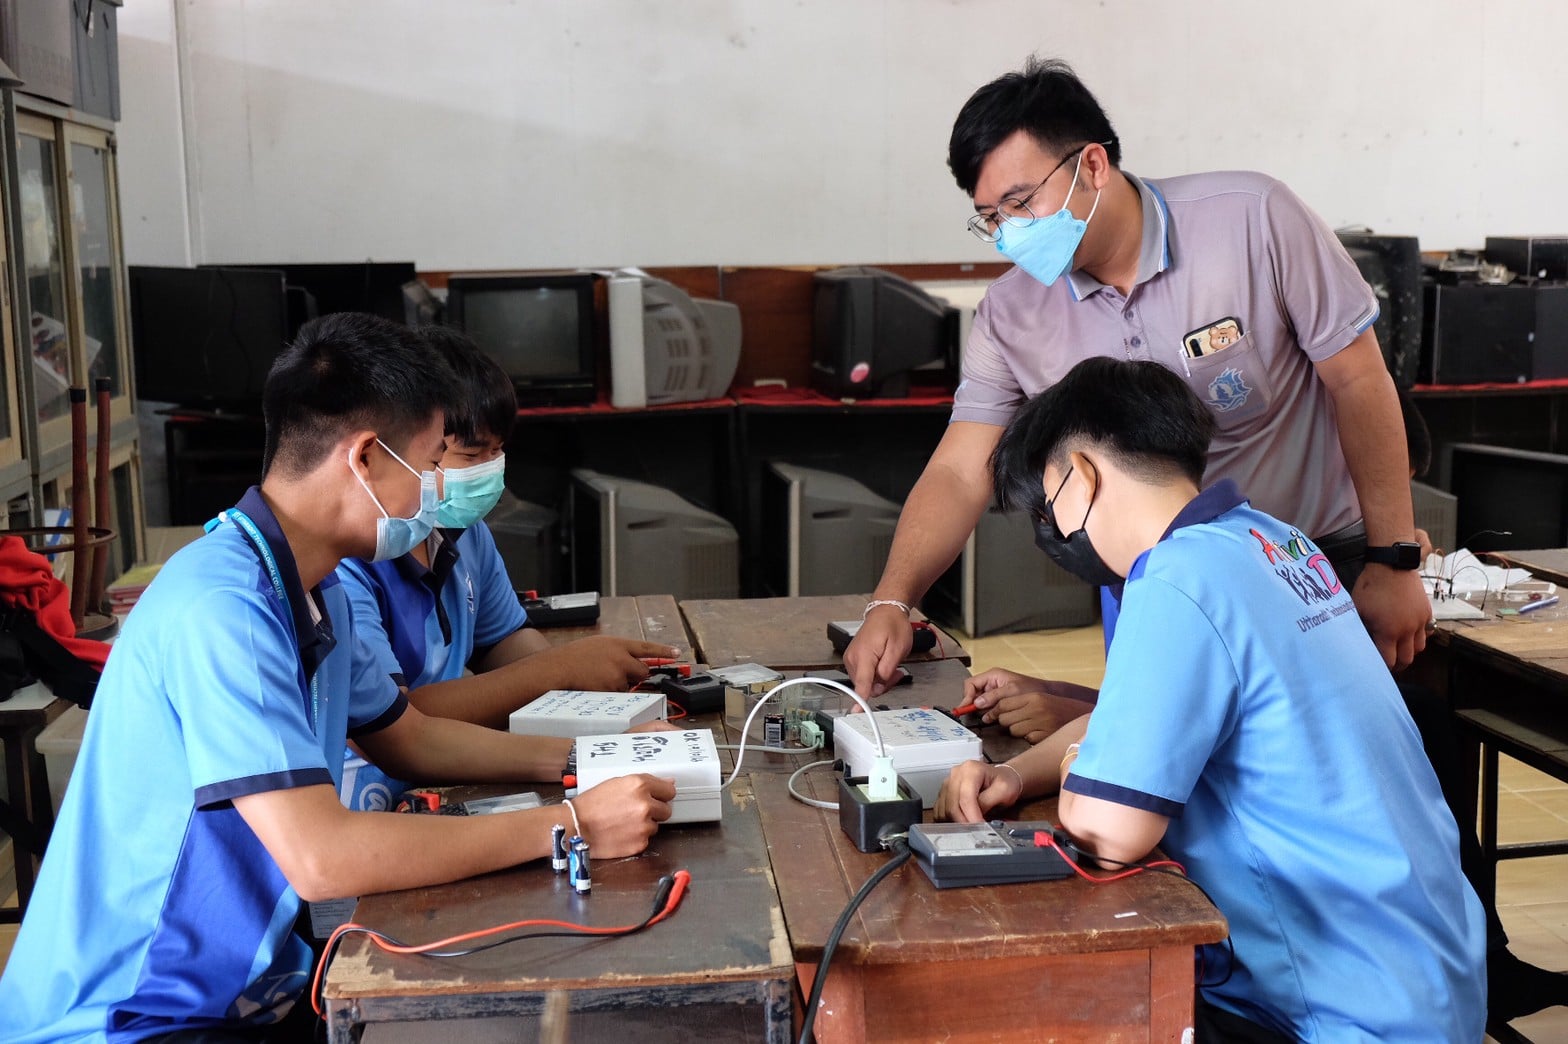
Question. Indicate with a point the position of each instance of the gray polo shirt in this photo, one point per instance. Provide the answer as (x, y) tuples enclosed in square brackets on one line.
[(1226, 245)]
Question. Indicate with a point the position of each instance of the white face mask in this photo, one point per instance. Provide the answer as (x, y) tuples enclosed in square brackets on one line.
[(396, 537)]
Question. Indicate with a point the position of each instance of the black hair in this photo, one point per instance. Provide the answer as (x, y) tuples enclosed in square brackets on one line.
[(1418, 439), (1139, 413), (485, 405), (349, 372), (1046, 99)]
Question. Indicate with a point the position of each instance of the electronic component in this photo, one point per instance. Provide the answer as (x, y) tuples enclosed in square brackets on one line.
[(960, 855), (578, 869), (569, 712), (842, 632), (565, 610), (698, 694), (558, 851), (923, 744), (773, 730), (868, 821), (689, 758), (747, 677), (430, 802)]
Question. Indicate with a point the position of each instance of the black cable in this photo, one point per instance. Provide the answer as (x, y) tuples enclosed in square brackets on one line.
[(901, 854)]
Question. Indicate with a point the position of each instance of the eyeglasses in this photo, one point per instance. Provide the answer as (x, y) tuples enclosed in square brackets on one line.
[(1015, 211), (1048, 512)]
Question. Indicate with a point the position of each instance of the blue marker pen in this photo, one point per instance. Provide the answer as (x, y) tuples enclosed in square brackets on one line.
[(1539, 603)]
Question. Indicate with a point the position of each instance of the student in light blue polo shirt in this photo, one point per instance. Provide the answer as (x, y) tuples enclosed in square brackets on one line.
[(203, 809), (448, 604), (1247, 725)]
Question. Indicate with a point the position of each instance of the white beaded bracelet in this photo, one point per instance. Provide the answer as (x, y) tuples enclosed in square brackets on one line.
[(883, 601)]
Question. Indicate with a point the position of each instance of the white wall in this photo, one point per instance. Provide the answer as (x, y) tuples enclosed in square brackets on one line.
[(466, 134)]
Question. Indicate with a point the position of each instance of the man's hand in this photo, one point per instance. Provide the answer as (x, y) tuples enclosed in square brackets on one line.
[(1029, 708), (872, 658), (973, 788), (620, 815), (598, 664), (1425, 540), (1395, 609)]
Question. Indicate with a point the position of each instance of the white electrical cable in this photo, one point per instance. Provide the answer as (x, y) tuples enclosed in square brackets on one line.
[(780, 687), (798, 796)]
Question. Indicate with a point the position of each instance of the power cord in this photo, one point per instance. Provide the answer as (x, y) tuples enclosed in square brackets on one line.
[(669, 892), (899, 845), (745, 729), (831, 806)]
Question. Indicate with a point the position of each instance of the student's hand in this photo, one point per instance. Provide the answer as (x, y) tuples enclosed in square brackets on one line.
[(874, 654), (656, 726), (1027, 707), (974, 788), (621, 814), (1395, 609), (600, 663)]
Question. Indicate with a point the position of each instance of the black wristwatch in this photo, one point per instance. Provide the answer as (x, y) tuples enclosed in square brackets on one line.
[(1401, 554)]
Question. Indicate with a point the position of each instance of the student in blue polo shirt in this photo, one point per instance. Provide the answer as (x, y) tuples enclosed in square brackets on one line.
[(1247, 725), (448, 604), (203, 810)]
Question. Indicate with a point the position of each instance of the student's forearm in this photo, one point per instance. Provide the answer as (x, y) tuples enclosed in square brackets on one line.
[(521, 643), (488, 698), (437, 750), (328, 852)]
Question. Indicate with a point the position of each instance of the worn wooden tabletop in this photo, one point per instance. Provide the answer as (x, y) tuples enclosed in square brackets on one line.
[(785, 633), (655, 618)]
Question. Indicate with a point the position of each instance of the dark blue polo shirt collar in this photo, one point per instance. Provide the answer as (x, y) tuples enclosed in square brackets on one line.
[(316, 640), (1208, 505)]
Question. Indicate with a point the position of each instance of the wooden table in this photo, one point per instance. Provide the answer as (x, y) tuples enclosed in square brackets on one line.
[(726, 944), (28, 815), (1506, 679), (1064, 960), (1545, 563), (786, 633), (655, 618)]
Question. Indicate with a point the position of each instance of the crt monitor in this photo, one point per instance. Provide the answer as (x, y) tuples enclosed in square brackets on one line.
[(634, 538), (1509, 499), (206, 337), (1391, 265), (870, 328), (540, 328), (823, 533), (667, 346)]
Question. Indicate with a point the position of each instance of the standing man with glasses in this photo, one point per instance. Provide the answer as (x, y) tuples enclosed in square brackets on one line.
[(1227, 279)]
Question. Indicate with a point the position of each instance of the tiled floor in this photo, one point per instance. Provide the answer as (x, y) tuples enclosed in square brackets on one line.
[(1532, 894)]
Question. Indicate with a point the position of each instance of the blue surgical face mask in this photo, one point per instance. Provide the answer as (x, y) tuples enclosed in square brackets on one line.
[(396, 537), (1045, 246), (468, 494)]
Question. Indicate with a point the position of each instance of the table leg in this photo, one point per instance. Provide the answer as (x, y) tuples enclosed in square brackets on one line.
[(1488, 868)]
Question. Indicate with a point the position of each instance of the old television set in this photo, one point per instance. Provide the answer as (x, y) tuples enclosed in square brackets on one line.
[(667, 346), (1437, 512), (206, 337), (823, 533), (1002, 583), (1391, 265), (872, 329), (1509, 499), (635, 538), (539, 328), (528, 538)]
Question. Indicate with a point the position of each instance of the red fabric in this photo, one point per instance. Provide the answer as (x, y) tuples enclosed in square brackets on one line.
[(27, 582)]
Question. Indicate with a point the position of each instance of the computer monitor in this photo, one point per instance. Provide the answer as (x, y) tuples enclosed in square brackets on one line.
[(870, 328), (1002, 583), (1391, 265), (528, 538), (1509, 499), (824, 533), (352, 286), (667, 346), (540, 328), (633, 538), (206, 337)]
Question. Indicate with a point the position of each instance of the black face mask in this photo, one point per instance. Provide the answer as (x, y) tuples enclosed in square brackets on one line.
[(1074, 553)]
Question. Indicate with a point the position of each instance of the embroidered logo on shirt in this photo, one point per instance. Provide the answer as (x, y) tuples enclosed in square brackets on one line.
[(1229, 390), (472, 608)]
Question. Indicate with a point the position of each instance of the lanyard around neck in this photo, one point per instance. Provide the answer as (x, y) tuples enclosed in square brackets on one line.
[(263, 549)]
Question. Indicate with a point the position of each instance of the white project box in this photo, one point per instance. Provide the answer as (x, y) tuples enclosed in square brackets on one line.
[(569, 712), (689, 758), (924, 745)]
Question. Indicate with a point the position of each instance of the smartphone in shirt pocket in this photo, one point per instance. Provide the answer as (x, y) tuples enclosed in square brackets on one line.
[(1213, 337)]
